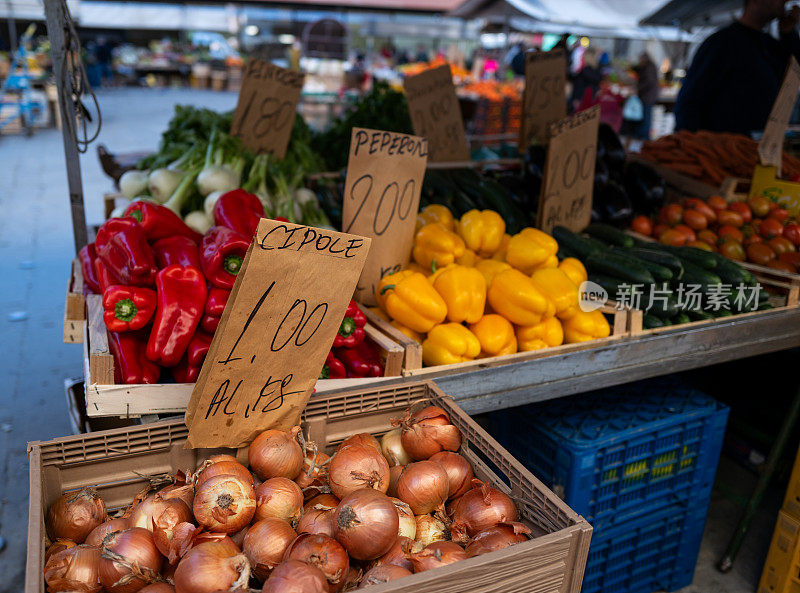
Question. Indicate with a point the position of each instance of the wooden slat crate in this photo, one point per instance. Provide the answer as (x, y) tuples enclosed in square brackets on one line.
[(74, 306)]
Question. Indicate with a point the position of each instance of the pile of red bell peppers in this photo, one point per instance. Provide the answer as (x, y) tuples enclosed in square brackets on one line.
[(165, 286), (352, 355)]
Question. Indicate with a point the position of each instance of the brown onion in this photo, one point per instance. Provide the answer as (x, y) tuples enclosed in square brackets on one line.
[(276, 453), (59, 546), (158, 588), (325, 553), (280, 498), (428, 432), (424, 486), (398, 553), (362, 438), (459, 472), (325, 501), (355, 467), (224, 503), (317, 520), (164, 513), (481, 508), (394, 476), (99, 533), (75, 569), (353, 577), (75, 514), (129, 560), (210, 468), (185, 536), (408, 523), (314, 473), (383, 574), (497, 537), (365, 523), (211, 567), (392, 448), (437, 554), (294, 576), (431, 528), (179, 489), (238, 537), (265, 544)]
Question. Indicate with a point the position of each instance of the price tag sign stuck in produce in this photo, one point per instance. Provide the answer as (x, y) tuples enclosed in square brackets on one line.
[(382, 188), (544, 98), (279, 324), (267, 105), (566, 197), (436, 114), (770, 149)]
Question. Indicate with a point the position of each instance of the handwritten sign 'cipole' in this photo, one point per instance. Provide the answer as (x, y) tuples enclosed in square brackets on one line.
[(544, 100), (381, 199), (566, 196), (279, 324), (770, 149), (436, 114), (266, 108)]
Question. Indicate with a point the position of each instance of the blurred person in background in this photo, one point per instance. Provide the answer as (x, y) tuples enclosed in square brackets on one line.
[(737, 72), (586, 82), (103, 54), (647, 89)]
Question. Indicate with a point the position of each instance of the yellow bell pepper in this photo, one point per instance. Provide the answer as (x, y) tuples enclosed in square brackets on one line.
[(436, 213), (464, 291), (449, 343), (530, 248), (490, 268), (415, 267), (500, 254), (416, 336), (379, 313), (513, 295), (496, 335), (434, 243), (410, 299), (546, 334), (482, 231), (551, 262), (584, 326), (469, 259), (557, 287), (574, 269)]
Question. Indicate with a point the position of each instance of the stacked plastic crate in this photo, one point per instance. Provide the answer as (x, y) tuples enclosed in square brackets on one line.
[(781, 572), (638, 462)]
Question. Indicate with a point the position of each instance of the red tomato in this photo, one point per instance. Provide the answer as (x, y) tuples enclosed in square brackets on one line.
[(729, 217), (779, 214), (791, 257), (792, 232), (701, 206), (695, 220), (673, 214), (700, 245), (707, 236), (770, 227), (730, 232), (690, 235), (642, 225), (781, 245), (743, 210), (732, 250), (752, 239), (759, 205), (760, 253), (673, 237), (659, 229), (717, 203), (777, 264)]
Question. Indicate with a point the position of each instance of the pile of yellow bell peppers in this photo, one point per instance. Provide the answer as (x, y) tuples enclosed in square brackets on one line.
[(472, 291)]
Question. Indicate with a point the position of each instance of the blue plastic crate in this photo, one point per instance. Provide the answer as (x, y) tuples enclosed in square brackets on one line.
[(653, 553), (615, 454)]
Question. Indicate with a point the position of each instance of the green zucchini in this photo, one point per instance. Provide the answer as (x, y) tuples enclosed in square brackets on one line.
[(665, 310), (662, 258), (693, 255), (619, 266), (693, 274), (721, 313), (583, 246), (729, 271), (609, 283), (700, 315), (652, 322), (659, 272), (608, 234), (681, 318)]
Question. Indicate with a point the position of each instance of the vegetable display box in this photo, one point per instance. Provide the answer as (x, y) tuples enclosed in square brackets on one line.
[(105, 398), (781, 572), (74, 306), (620, 453), (119, 461)]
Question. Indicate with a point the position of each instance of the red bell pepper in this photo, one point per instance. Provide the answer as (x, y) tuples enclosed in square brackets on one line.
[(333, 368), (240, 211), (183, 372), (222, 254), (351, 331), (362, 361), (181, 299), (130, 363), (176, 250), (128, 308), (104, 278), (210, 323), (215, 305), (159, 221), (122, 245), (87, 256), (188, 369)]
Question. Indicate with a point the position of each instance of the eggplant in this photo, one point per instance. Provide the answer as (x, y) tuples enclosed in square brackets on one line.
[(613, 153), (612, 203), (644, 187), (601, 174)]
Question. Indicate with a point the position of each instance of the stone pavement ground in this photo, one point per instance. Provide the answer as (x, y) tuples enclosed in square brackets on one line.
[(35, 252)]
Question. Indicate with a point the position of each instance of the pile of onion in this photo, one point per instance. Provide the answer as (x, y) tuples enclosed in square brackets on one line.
[(210, 567), (424, 486), (427, 432), (224, 503), (129, 560), (276, 454), (481, 508), (437, 554), (294, 576), (314, 474), (358, 466), (279, 498), (318, 515), (366, 523), (75, 514), (323, 552), (392, 448), (496, 538), (383, 574), (265, 544), (76, 568)]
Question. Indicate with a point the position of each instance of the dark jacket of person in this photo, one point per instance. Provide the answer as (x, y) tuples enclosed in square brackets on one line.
[(733, 80), (588, 77), (647, 87)]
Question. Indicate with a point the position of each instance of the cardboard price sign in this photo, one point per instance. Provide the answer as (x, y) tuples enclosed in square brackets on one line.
[(436, 114), (566, 196), (544, 100), (770, 149), (381, 199), (279, 324), (266, 108)]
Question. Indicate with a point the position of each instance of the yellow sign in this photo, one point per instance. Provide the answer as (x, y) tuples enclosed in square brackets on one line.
[(766, 183)]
